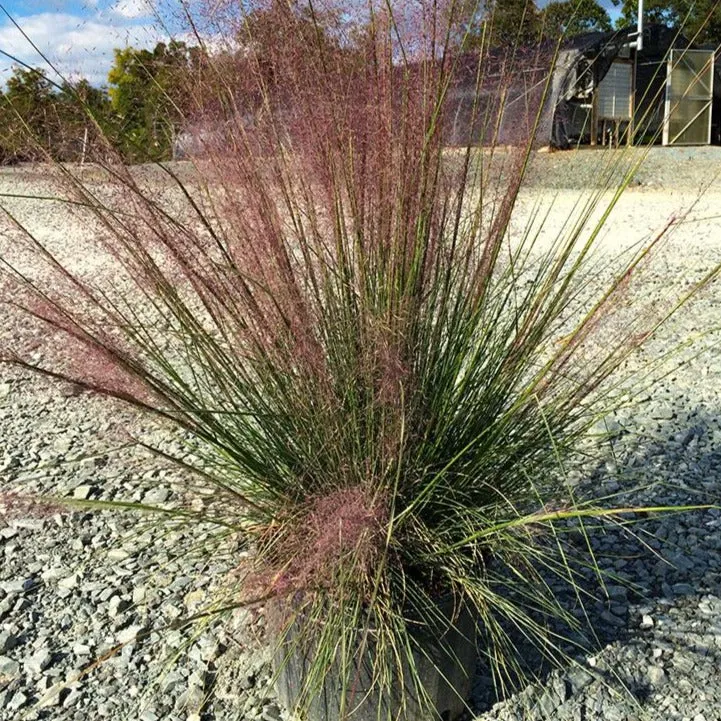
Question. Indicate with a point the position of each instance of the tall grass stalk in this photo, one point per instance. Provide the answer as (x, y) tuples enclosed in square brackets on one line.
[(384, 384)]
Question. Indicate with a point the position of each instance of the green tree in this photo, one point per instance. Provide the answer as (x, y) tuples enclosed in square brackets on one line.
[(27, 118), (145, 90), (83, 115), (700, 20), (573, 17), (38, 119), (504, 23)]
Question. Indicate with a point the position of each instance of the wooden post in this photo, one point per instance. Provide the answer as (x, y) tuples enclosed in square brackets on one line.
[(85, 146)]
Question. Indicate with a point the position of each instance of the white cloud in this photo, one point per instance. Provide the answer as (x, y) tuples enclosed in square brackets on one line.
[(132, 9), (75, 46)]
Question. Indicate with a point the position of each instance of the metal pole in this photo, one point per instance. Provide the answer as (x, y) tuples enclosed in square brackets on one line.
[(632, 101), (594, 111), (637, 47)]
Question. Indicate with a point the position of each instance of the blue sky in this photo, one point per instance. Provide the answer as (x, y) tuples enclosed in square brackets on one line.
[(79, 36)]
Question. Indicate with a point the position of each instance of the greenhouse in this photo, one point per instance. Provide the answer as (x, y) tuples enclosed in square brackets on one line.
[(605, 91)]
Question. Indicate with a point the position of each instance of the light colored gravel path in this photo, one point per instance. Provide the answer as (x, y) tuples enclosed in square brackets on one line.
[(74, 586)]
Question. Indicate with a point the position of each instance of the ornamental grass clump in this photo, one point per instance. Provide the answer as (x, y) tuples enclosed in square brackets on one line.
[(382, 381)]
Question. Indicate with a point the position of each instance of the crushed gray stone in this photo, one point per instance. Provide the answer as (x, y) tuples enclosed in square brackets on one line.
[(74, 587)]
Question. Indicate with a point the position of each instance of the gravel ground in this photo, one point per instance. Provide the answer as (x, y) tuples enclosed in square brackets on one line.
[(660, 168), (74, 586)]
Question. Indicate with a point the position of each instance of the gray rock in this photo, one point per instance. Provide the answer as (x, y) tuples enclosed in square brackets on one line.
[(579, 679), (617, 593), (32, 524), (17, 701), (69, 582), (663, 412), (53, 573), (684, 663), (172, 681), (657, 676), (547, 704), (612, 620), (106, 594), (681, 561), (676, 463), (126, 635), (191, 699), (72, 699), (614, 713), (118, 554), (156, 495), (209, 651), (21, 604), (5, 607), (18, 585), (117, 605), (271, 713), (8, 641), (9, 666), (82, 493), (38, 662), (51, 693)]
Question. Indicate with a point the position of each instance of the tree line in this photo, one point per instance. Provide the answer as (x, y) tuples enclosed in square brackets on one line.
[(523, 21), (142, 108), (137, 112)]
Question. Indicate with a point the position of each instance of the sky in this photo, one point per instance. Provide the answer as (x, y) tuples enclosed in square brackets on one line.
[(79, 36)]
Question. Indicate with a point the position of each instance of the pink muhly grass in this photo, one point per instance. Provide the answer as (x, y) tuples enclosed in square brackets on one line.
[(15, 504), (340, 530), (330, 303)]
